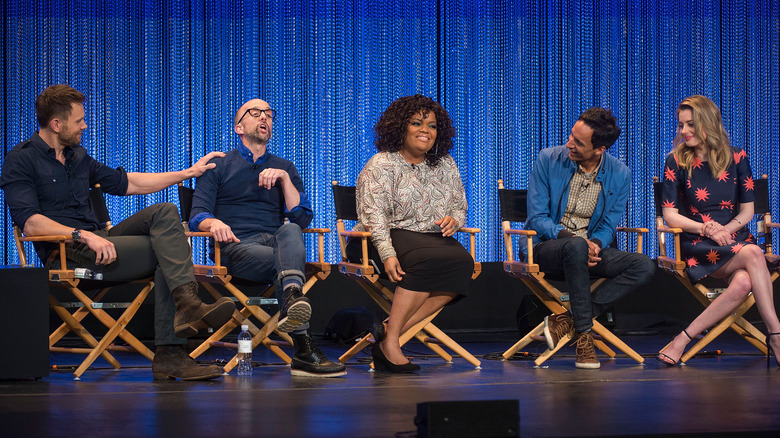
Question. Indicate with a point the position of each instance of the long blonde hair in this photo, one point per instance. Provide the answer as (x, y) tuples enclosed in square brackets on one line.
[(708, 130)]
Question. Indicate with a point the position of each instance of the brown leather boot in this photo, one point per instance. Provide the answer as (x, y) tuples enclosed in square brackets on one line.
[(172, 362), (192, 314)]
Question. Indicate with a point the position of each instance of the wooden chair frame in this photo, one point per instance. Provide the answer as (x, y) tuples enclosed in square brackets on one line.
[(217, 274), (367, 278), (552, 298), (704, 295), (86, 305)]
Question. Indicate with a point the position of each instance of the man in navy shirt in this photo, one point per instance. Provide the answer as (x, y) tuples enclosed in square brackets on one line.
[(46, 182), (243, 202)]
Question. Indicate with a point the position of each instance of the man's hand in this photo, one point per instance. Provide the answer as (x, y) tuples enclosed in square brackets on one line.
[(593, 254), (203, 164), (448, 225), (222, 232), (268, 177), (104, 249), (393, 269)]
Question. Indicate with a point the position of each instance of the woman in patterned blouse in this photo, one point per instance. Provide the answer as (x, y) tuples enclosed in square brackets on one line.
[(411, 199), (708, 192)]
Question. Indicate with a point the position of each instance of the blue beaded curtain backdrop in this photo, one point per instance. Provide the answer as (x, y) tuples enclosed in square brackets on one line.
[(163, 79)]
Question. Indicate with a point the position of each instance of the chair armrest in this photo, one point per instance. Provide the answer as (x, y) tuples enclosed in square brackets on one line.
[(355, 233), (469, 230), (50, 238), (640, 232), (521, 232), (670, 230), (198, 234), (320, 241), (771, 225)]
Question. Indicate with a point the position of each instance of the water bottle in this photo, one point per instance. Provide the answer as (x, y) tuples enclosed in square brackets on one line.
[(87, 274), (244, 352)]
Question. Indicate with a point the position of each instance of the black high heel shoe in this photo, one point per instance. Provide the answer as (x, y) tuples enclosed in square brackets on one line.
[(769, 352), (671, 362), (383, 364)]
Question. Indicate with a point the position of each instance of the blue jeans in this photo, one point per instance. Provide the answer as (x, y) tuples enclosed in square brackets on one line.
[(269, 258), (625, 271)]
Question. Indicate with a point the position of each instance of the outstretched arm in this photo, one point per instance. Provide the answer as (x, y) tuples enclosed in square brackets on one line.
[(139, 183)]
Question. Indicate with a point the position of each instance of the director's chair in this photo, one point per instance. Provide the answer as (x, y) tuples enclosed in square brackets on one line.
[(514, 209), (264, 324), (63, 276), (706, 295), (367, 277)]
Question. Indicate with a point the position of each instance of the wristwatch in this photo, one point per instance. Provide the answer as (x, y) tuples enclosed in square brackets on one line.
[(76, 235)]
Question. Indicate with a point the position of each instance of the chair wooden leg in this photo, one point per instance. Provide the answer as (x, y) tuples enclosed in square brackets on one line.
[(218, 334), (80, 331), (452, 345), (548, 353), (751, 334), (363, 343), (78, 315), (108, 321), (527, 339), (747, 331), (116, 329), (269, 322), (604, 348), (614, 340)]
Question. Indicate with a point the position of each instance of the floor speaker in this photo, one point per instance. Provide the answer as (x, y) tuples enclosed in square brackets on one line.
[(24, 323), (473, 419)]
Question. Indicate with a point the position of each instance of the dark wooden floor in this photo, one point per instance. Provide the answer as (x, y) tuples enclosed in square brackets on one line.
[(732, 394)]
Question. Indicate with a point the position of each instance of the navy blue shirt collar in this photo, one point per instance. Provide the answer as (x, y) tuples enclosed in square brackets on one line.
[(248, 155), (72, 153)]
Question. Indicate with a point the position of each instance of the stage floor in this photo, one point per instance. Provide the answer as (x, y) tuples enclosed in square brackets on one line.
[(732, 394)]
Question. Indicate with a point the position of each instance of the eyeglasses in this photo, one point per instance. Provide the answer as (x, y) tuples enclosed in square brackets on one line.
[(257, 112)]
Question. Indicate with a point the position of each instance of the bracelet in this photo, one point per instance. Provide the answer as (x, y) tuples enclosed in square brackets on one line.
[(737, 219)]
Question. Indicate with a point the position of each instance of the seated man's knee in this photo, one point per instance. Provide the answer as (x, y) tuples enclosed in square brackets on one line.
[(644, 268), (165, 209), (575, 249), (290, 229)]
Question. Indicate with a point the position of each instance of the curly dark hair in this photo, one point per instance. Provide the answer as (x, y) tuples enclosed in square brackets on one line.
[(390, 130)]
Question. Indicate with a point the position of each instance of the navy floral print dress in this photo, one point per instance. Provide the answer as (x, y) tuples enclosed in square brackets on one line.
[(704, 197)]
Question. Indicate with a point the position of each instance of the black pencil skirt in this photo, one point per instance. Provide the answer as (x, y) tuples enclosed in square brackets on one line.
[(431, 262)]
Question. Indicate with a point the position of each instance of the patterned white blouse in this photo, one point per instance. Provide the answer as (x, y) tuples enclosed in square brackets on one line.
[(392, 193)]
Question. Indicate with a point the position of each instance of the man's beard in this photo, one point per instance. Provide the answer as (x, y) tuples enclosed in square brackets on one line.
[(256, 137), (66, 138)]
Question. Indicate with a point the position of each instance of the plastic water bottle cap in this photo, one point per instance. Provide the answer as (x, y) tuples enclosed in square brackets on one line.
[(244, 327)]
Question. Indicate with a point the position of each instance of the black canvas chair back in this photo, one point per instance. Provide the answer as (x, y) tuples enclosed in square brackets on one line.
[(185, 201), (761, 186), (657, 190), (344, 199), (513, 205), (98, 203)]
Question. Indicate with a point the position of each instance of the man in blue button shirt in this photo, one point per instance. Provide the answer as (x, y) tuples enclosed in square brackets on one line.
[(46, 181), (243, 202)]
